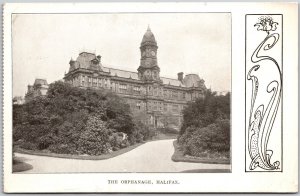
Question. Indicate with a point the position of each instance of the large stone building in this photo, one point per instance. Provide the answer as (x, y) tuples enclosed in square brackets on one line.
[(161, 99), (39, 88), (18, 100)]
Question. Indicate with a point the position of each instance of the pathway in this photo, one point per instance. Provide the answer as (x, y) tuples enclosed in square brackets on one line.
[(152, 156)]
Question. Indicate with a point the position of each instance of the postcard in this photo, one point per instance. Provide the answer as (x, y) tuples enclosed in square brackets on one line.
[(150, 97)]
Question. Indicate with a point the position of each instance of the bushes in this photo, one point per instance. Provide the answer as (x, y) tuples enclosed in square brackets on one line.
[(168, 130), (141, 133), (77, 121), (210, 139), (206, 127), (94, 140), (118, 140), (204, 112), (28, 145)]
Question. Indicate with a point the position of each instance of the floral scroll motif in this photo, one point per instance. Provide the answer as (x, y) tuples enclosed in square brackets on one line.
[(266, 23), (262, 115)]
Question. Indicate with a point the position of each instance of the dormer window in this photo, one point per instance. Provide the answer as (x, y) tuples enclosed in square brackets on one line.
[(95, 61)]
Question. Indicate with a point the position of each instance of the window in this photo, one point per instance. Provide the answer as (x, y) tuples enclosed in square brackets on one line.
[(99, 81), (165, 93), (155, 106), (175, 108), (150, 90), (112, 86), (89, 81), (160, 106), (105, 83), (138, 105), (165, 107), (137, 89), (154, 75), (123, 88), (175, 94), (94, 81), (82, 80)]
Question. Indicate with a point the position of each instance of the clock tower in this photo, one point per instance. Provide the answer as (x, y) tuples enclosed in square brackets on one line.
[(148, 69)]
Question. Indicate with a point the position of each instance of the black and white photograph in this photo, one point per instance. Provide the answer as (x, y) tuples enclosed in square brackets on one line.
[(121, 92)]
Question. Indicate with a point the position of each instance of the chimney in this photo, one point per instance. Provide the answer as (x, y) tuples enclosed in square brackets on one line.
[(71, 62), (99, 58), (180, 76)]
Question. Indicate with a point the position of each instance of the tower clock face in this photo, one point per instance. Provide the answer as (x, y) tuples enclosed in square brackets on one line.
[(152, 53)]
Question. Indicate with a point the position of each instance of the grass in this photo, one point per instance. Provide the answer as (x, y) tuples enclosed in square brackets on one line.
[(82, 157), (19, 166), (179, 156), (160, 136)]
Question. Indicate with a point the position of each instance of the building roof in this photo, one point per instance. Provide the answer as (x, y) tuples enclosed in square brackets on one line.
[(90, 61), (40, 82), (170, 81), (121, 73), (148, 37), (86, 60), (134, 75), (193, 80)]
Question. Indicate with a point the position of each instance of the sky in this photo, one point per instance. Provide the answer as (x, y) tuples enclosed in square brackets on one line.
[(199, 43)]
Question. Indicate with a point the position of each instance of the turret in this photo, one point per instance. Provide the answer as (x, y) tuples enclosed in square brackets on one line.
[(148, 69)]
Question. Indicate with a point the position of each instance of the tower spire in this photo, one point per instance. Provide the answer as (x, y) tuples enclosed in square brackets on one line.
[(148, 68)]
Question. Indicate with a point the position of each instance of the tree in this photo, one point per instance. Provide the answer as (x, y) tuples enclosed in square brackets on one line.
[(205, 111), (206, 126), (73, 120), (94, 139)]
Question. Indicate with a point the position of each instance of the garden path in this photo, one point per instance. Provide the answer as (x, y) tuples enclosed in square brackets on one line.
[(154, 156)]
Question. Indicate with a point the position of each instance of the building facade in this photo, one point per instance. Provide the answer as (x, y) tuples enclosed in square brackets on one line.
[(18, 100), (39, 88), (159, 99)]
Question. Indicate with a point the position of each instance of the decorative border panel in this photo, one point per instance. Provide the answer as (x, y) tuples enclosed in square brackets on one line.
[(264, 89)]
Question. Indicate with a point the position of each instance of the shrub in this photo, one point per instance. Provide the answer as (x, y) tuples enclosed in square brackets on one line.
[(183, 139), (205, 111), (63, 149), (135, 137), (117, 141), (168, 130), (75, 120), (211, 139), (143, 132), (94, 140), (28, 145), (206, 126), (44, 142), (18, 132)]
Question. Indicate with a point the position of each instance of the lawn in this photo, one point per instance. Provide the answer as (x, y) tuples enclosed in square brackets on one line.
[(179, 156), (19, 165)]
